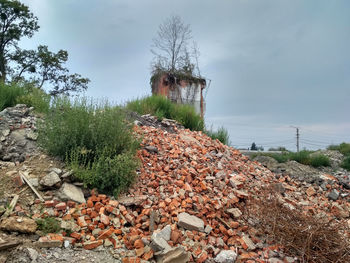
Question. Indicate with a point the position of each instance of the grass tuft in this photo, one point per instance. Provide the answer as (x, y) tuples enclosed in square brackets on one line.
[(48, 225), (221, 134), (9, 95), (161, 107)]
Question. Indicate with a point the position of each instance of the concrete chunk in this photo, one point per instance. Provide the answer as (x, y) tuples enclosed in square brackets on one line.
[(190, 222), (71, 192), (226, 256)]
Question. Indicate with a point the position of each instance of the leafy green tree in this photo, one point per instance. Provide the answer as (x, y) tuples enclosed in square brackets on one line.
[(41, 67), (253, 147)]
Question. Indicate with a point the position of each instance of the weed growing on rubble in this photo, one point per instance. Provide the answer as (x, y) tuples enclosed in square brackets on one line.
[(9, 95), (48, 225), (13, 94), (221, 134), (109, 173), (344, 148), (346, 163), (37, 98), (309, 238), (94, 139), (163, 108)]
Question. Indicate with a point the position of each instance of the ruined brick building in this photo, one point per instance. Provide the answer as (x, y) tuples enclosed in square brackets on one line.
[(180, 88)]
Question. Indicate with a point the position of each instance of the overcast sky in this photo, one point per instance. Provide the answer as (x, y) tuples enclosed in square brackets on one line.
[(273, 64)]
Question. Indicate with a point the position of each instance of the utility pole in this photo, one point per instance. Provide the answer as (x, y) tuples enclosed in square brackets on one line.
[(298, 135)]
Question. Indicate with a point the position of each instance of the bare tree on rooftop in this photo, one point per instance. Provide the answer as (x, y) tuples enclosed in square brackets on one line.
[(169, 47)]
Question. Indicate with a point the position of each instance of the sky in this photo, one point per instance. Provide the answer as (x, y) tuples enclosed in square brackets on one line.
[(273, 65)]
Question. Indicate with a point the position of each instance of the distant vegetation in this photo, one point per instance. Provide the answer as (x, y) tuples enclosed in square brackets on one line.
[(344, 148), (303, 157), (308, 158), (185, 114)]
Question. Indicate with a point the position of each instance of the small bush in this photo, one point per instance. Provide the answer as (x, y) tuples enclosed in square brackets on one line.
[(37, 98), (281, 158), (48, 225), (346, 163), (319, 160), (161, 107), (186, 115), (344, 148), (9, 95), (109, 173), (94, 138), (221, 134), (302, 157), (155, 105)]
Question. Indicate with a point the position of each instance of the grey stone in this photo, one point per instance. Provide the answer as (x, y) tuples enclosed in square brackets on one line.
[(173, 255), (158, 244), (190, 222), (71, 192), (235, 212), (151, 149), (235, 183), (5, 132), (249, 242), (333, 195), (56, 170), (66, 244), (164, 233), (226, 256), (275, 260), (31, 135), (34, 181), (19, 224), (70, 225), (107, 243), (66, 175), (50, 179), (132, 200), (32, 253), (208, 229)]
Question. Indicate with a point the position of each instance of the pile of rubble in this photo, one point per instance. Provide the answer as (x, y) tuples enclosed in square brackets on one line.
[(169, 125), (17, 133), (188, 205)]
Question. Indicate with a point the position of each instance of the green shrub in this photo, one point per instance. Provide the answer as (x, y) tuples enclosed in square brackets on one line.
[(344, 148), (281, 158), (85, 125), (187, 116), (302, 157), (48, 225), (37, 98), (346, 163), (161, 107), (319, 160), (9, 95), (221, 134), (109, 173), (94, 138), (155, 105)]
